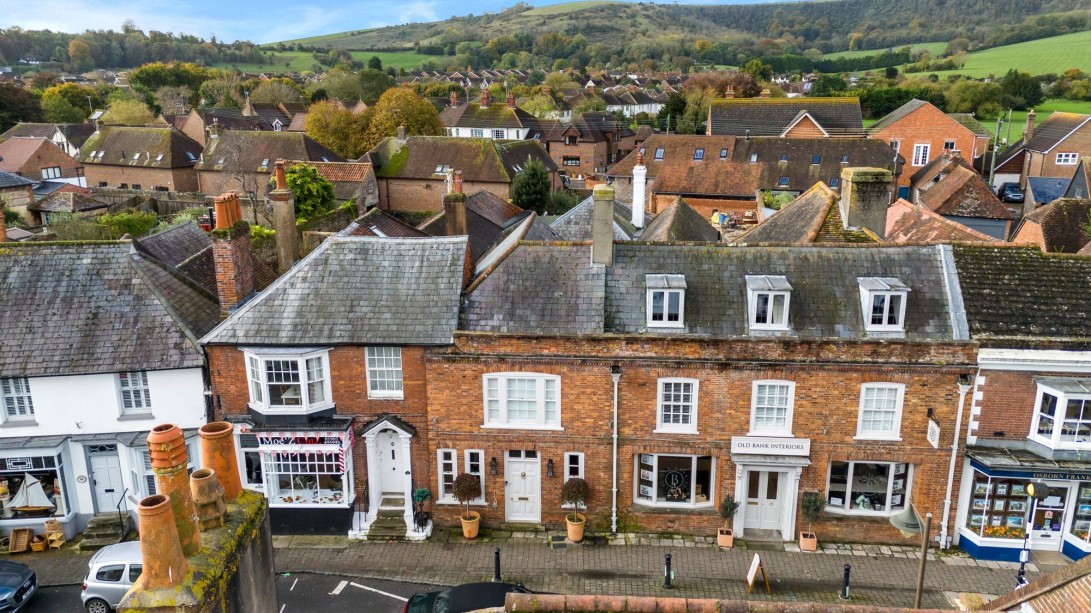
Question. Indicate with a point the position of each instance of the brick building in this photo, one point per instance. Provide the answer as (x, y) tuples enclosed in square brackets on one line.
[(588, 144), (1031, 398), (141, 158), (690, 352), (1053, 148), (38, 159), (243, 160)]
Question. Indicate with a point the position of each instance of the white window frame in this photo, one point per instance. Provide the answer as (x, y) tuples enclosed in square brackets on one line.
[(498, 134), (262, 403), (873, 296), (468, 467), (873, 288), (477, 133), (949, 145), (920, 153), (446, 456), (1060, 417), (637, 500), (770, 287), (51, 172), (18, 399), (681, 428), (789, 408), (665, 322), (1067, 158), (372, 355), (888, 512), (244, 476), (133, 390), (147, 475), (895, 432), (574, 459), (502, 420)]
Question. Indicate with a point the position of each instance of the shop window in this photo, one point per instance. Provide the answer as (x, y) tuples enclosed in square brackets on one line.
[(767, 300), (1081, 520), (293, 383), (771, 408), (522, 400), (880, 411), (999, 507), (475, 465), (33, 481), (18, 404), (868, 488), (673, 480), (448, 470), (666, 300), (135, 393), (384, 372), (1062, 414), (304, 478), (883, 300), (252, 473), (677, 406)]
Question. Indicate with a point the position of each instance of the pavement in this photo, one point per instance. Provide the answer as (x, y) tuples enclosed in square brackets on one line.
[(629, 565)]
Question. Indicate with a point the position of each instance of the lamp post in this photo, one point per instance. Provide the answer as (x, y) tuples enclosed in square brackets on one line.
[(1037, 490), (909, 522)]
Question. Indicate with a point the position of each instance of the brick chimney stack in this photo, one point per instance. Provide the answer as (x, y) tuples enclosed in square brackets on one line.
[(865, 197), (454, 208), (511, 100), (602, 225), (231, 256), (485, 95), (454, 99), (1029, 132), (640, 189), (282, 202), (729, 92)]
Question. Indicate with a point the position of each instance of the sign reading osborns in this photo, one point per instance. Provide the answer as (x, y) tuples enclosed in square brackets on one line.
[(771, 445)]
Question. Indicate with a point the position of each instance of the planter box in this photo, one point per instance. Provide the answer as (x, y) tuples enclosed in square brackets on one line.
[(725, 538), (808, 541)]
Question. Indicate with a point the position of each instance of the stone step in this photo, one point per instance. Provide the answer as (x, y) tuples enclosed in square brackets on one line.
[(108, 519), (522, 527), (94, 544), (393, 501), (391, 513), (389, 522), (97, 533)]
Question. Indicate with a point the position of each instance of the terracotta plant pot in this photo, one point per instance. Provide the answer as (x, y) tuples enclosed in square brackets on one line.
[(575, 528), (470, 526), (725, 537), (808, 541)]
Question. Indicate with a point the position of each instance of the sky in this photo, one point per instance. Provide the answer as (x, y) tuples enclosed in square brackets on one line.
[(261, 21)]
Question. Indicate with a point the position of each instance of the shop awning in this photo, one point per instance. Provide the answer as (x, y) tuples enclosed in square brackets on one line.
[(769, 460), (128, 439), (31, 442), (1020, 462)]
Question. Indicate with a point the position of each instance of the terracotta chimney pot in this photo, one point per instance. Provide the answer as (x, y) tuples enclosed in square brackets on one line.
[(218, 453), (164, 564), (208, 495), (458, 182), (169, 458), (282, 183)]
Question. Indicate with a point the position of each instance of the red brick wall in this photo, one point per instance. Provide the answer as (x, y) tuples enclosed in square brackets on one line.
[(420, 195), (826, 408), (1006, 404), (348, 378), (48, 156), (176, 179), (1045, 164), (927, 125)]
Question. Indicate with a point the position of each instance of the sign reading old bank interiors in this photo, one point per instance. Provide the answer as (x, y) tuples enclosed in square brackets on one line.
[(771, 445)]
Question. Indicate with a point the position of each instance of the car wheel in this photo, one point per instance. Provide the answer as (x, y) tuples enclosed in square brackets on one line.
[(96, 605)]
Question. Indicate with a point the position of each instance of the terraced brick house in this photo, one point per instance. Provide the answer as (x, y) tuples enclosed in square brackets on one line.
[(142, 159)]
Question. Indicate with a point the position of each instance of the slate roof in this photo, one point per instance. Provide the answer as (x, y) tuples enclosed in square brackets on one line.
[(8, 179), (357, 291), (679, 222), (118, 145), (30, 130), (897, 114), (496, 115), (575, 224), (1016, 294), (479, 159), (961, 192), (1062, 222), (93, 308), (67, 202), (772, 116), (813, 217), (174, 245), (971, 123), (248, 149), (377, 223), (907, 223), (16, 152), (1046, 189), (554, 289), (1080, 186), (487, 215), (1056, 128)]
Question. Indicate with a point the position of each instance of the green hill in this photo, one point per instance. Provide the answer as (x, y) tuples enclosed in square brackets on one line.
[(1047, 55)]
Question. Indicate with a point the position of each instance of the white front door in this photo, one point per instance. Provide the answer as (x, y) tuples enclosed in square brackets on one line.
[(1048, 520), (763, 500), (522, 486), (388, 446), (106, 479)]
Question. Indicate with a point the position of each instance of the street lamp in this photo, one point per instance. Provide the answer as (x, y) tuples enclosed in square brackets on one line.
[(909, 522), (1037, 490)]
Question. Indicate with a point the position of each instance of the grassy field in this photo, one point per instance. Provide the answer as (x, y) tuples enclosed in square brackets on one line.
[(297, 61), (1019, 118), (567, 7), (932, 48), (1045, 55)]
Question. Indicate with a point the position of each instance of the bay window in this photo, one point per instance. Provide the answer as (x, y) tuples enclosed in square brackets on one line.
[(304, 477), (1062, 414), (290, 381), (868, 488), (673, 480), (522, 400)]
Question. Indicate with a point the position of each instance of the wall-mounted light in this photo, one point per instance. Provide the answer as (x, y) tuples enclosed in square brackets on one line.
[(492, 466), (931, 413), (549, 468)]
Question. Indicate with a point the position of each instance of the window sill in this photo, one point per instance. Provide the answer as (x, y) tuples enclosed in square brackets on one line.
[(862, 514), (703, 508), (672, 431), (776, 434), (135, 416), (522, 427), (655, 326), (386, 396), (260, 408), (882, 439), (19, 423)]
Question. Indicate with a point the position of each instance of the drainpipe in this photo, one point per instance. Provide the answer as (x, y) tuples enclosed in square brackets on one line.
[(615, 374), (963, 389)]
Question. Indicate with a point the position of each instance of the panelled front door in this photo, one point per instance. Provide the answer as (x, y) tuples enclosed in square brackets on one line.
[(106, 477), (522, 486), (388, 447), (762, 500), (1048, 520)]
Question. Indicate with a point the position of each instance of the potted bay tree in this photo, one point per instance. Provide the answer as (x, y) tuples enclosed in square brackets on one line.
[(574, 494), (725, 537), (813, 506), (466, 488)]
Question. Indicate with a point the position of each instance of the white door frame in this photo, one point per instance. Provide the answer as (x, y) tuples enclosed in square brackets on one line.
[(507, 480), (374, 463), (787, 490), (94, 481)]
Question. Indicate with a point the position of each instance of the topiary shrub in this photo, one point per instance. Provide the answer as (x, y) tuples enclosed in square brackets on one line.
[(467, 488), (575, 492)]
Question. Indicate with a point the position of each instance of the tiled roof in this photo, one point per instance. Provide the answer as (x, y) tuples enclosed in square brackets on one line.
[(141, 146), (772, 116), (971, 123), (174, 245), (1061, 591), (357, 290), (908, 223), (377, 223), (554, 289), (8, 179), (1062, 222), (1046, 189), (339, 172), (1080, 186), (1055, 129), (590, 127), (496, 115), (15, 152), (95, 308), (487, 215), (67, 202), (30, 130), (961, 192), (796, 223), (679, 222), (897, 114), (676, 148), (575, 225), (1022, 293), (248, 149), (479, 159)]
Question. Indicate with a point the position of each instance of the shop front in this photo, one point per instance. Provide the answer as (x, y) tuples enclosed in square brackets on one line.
[(767, 473), (995, 510), (35, 484)]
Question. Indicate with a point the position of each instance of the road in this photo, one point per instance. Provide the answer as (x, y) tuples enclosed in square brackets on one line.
[(296, 592)]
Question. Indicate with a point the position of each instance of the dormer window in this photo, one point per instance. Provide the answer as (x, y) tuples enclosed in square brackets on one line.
[(666, 302), (289, 381), (767, 301), (883, 302)]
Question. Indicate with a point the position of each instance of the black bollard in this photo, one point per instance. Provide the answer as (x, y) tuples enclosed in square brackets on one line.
[(844, 595), (496, 564), (667, 572)]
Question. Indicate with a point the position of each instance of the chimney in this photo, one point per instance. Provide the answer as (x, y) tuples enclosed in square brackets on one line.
[(218, 453), (231, 256), (865, 196), (1029, 132), (640, 186), (485, 98), (278, 175), (729, 92), (602, 225), (511, 99), (454, 99), (402, 138), (454, 208), (283, 203), (766, 93), (160, 548), (170, 460)]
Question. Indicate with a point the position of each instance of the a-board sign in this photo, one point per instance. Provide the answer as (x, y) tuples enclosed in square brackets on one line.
[(752, 575)]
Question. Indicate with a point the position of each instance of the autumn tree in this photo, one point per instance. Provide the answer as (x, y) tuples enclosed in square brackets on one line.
[(277, 91), (399, 106), (338, 129), (79, 55), (56, 109), (76, 96), (128, 112), (150, 77), (340, 85)]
